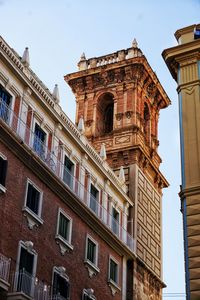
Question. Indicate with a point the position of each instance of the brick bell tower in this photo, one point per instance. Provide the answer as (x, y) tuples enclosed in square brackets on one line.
[(119, 97)]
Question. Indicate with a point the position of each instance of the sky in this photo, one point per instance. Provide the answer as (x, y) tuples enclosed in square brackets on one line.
[(57, 32)]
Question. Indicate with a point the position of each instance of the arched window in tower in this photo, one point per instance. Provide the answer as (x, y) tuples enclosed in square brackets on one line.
[(104, 114), (146, 122), (108, 119)]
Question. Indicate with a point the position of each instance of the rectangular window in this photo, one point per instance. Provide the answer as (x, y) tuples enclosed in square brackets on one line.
[(91, 251), (64, 227), (61, 287), (115, 221), (113, 271), (39, 141), (33, 199), (5, 101), (94, 195), (68, 172), (3, 172)]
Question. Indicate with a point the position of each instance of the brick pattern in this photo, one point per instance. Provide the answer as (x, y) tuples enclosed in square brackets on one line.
[(149, 225), (14, 228)]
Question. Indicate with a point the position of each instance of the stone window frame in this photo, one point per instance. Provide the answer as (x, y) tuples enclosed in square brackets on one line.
[(33, 219), (64, 244), (114, 286), (61, 271), (93, 268)]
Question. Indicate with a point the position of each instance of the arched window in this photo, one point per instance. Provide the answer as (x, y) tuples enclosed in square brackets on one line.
[(146, 122), (108, 119), (105, 110)]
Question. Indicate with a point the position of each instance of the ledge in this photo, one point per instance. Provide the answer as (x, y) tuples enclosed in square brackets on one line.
[(32, 218), (2, 189), (92, 268), (64, 245), (4, 284), (114, 287)]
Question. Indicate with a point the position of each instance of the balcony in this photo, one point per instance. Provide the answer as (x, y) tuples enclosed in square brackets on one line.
[(58, 168), (4, 272), (25, 287)]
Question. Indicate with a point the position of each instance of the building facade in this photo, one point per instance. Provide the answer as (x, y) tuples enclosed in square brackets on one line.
[(75, 225), (183, 62)]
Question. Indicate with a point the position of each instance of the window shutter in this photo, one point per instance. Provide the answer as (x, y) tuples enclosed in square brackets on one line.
[(3, 170)]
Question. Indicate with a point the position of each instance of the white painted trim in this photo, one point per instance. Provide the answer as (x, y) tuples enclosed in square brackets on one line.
[(29, 181), (66, 242), (33, 252), (3, 156), (117, 262), (88, 237)]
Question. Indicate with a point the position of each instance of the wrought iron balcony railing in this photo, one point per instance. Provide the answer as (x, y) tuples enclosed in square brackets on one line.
[(4, 268), (25, 283), (58, 168)]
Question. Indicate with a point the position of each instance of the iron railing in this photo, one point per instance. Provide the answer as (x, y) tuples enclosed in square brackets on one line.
[(53, 162), (23, 282), (4, 267)]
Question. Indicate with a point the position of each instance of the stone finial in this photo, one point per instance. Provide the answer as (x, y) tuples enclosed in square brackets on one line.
[(103, 151), (134, 44), (81, 126), (82, 64), (25, 58), (122, 175), (56, 94), (82, 57)]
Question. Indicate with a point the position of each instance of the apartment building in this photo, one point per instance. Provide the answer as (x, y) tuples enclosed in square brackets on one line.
[(79, 223)]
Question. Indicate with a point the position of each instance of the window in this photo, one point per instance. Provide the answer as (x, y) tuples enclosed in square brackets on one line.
[(64, 231), (39, 141), (91, 250), (61, 286), (26, 268), (88, 294), (108, 118), (115, 221), (94, 195), (33, 198), (33, 204), (113, 271), (3, 171), (68, 172), (5, 101), (91, 256)]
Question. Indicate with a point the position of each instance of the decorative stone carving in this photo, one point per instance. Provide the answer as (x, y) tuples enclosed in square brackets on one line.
[(129, 114), (119, 116), (88, 123)]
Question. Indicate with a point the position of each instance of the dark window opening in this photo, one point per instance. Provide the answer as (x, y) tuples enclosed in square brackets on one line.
[(91, 251), (108, 121), (105, 114), (146, 122), (33, 199), (39, 141), (64, 227), (113, 271), (25, 276), (68, 172), (3, 171), (5, 101), (61, 287), (94, 199)]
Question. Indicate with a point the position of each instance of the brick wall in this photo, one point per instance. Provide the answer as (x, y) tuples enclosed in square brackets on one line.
[(14, 228)]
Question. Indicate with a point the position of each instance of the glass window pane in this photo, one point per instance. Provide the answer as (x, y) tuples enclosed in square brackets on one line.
[(64, 227)]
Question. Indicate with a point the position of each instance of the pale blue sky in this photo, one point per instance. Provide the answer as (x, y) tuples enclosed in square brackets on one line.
[(57, 32)]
